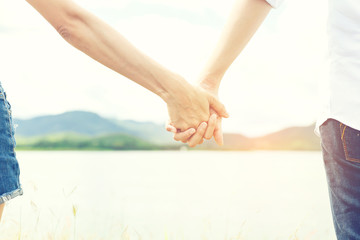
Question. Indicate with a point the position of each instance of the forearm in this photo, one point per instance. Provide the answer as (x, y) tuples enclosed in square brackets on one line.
[(244, 20), (104, 44), (107, 46)]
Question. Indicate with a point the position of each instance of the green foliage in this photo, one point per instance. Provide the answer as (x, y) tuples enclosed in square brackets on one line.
[(73, 141)]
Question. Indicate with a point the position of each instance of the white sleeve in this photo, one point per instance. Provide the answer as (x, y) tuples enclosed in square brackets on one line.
[(275, 3)]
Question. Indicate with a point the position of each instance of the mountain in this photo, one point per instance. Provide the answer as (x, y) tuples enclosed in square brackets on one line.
[(91, 124), (232, 141), (86, 130), (81, 122), (148, 131), (293, 138)]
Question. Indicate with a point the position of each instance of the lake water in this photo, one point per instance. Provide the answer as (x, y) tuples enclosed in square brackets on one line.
[(193, 195)]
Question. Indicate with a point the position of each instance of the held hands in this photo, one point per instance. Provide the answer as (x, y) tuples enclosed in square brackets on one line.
[(208, 128)]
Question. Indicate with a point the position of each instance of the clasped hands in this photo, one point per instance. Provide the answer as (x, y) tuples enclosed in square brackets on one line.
[(195, 114)]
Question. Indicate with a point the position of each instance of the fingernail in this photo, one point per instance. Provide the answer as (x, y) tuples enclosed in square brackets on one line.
[(192, 131), (204, 124)]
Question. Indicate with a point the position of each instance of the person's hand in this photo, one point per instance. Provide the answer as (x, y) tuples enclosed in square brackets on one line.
[(192, 136), (195, 137), (187, 109)]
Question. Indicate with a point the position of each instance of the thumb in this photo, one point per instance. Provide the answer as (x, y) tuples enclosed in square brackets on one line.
[(217, 106)]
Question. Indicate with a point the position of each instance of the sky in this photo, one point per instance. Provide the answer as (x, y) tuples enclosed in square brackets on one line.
[(276, 82)]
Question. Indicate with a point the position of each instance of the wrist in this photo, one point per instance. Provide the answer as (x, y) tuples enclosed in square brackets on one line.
[(175, 88), (210, 83)]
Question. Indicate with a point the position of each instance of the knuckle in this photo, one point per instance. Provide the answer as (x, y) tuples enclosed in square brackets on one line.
[(183, 127), (194, 123), (205, 117)]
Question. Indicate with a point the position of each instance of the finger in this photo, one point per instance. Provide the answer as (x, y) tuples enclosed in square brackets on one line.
[(211, 126), (198, 136), (218, 136), (169, 127), (218, 106), (218, 133), (184, 136)]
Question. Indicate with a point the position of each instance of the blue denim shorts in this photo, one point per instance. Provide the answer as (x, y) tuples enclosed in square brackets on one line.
[(9, 167)]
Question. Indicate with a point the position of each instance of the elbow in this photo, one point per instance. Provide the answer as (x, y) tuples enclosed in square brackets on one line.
[(64, 31), (69, 25)]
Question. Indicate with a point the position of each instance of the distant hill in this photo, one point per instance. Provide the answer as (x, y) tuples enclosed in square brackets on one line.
[(148, 131), (81, 122), (88, 123), (293, 138), (86, 130)]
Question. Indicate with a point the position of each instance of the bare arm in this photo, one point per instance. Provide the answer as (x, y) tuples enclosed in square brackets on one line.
[(244, 20), (188, 106)]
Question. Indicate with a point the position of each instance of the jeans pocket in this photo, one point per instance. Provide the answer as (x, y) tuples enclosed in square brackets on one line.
[(351, 142)]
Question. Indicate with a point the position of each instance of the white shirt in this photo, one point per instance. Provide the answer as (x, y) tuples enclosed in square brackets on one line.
[(344, 51)]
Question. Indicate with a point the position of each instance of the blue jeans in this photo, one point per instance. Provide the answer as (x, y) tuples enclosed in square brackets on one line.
[(9, 167), (341, 152)]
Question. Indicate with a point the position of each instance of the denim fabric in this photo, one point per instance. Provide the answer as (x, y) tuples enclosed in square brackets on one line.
[(341, 152), (9, 167)]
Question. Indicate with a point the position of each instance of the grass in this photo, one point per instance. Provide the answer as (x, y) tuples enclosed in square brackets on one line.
[(62, 223), (67, 230)]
